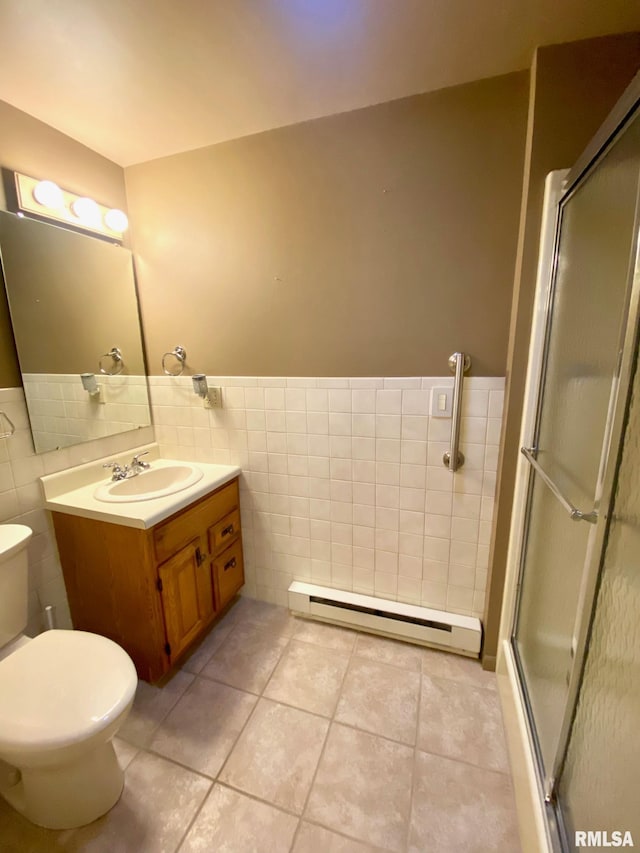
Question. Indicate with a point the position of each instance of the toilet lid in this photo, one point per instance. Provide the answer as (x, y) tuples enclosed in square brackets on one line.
[(62, 687)]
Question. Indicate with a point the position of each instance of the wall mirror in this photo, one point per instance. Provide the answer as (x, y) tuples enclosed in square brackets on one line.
[(73, 303)]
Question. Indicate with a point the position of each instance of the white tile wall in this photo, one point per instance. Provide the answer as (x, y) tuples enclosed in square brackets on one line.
[(21, 498), (343, 481), (62, 413)]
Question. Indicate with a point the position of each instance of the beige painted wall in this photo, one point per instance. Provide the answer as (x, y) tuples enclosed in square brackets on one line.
[(573, 88), (30, 146), (369, 243)]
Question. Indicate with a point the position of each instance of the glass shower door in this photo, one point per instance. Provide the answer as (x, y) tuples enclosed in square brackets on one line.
[(578, 391)]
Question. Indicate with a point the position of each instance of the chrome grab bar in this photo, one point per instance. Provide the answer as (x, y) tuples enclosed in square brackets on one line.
[(459, 363), (574, 513)]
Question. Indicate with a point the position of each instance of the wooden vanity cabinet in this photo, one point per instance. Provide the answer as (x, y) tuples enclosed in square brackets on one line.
[(155, 591)]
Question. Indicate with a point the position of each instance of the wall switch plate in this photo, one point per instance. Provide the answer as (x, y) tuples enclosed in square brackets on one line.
[(213, 400), (441, 402)]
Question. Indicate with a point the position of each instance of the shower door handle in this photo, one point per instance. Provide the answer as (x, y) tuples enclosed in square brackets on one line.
[(575, 514)]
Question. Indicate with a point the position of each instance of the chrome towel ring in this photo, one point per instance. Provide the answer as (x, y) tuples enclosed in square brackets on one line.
[(118, 364), (178, 353)]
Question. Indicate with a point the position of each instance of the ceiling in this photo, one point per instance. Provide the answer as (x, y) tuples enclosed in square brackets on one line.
[(140, 79)]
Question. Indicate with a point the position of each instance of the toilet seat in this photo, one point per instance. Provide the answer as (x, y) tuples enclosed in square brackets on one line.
[(62, 688)]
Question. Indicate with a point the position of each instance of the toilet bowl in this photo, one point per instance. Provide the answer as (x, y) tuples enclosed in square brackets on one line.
[(63, 695)]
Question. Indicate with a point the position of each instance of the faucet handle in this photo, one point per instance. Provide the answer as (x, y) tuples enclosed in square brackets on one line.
[(135, 462), (114, 465)]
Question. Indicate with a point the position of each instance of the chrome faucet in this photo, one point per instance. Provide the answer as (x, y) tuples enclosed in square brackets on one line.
[(132, 470), (137, 467), (118, 473)]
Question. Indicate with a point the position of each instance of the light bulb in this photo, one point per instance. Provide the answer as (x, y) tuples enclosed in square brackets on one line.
[(87, 211), (48, 194), (116, 220)]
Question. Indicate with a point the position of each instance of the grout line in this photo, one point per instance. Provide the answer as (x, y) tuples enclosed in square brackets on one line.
[(195, 817), (326, 738), (467, 763), (413, 763)]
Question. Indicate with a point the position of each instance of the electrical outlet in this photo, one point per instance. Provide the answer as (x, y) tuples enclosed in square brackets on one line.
[(213, 400)]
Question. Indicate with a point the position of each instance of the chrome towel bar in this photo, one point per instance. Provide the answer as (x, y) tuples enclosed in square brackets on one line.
[(574, 513), (459, 363)]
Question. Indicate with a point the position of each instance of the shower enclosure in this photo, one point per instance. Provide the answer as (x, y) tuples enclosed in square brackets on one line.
[(575, 629)]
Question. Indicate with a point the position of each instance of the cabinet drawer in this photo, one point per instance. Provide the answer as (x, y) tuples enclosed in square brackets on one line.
[(224, 532), (228, 570), (173, 534)]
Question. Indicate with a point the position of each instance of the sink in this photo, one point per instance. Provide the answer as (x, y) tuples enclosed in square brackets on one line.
[(153, 483)]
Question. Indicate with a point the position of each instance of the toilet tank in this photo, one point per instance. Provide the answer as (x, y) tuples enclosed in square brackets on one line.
[(14, 589)]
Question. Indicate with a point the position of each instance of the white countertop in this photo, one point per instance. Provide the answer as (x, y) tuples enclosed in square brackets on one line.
[(72, 491)]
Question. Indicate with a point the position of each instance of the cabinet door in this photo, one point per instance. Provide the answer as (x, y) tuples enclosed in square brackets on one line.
[(187, 596)]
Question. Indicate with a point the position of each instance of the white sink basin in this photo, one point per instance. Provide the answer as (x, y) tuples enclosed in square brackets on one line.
[(150, 484)]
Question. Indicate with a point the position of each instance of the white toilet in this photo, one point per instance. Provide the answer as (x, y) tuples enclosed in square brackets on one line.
[(63, 695)]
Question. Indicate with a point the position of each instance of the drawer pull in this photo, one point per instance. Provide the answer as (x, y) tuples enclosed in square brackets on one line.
[(231, 564), (227, 530), (200, 557)]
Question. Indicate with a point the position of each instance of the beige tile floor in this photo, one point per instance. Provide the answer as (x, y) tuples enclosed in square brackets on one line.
[(280, 734)]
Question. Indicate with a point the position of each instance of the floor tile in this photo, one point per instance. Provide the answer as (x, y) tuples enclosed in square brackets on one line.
[(384, 650), (461, 721), (288, 778), (308, 677), (389, 709), (151, 706), (270, 617), (363, 788), (461, 808), (316, 839), (458, 668), (157, 805), (277, 754), (204, 725), (211, 643), (229, 822), (329, 636), (247, 658)]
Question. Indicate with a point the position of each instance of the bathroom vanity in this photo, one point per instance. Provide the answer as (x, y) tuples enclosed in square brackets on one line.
[(150, 578)]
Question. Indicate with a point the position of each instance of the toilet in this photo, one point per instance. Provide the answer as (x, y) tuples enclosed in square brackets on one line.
[(63, 696)]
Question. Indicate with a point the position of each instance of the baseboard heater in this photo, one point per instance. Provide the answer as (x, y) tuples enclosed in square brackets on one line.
[(409, 622)]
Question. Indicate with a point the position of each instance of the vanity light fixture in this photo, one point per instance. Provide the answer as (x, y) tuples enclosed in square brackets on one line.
[(90, 385), (46, 200)]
